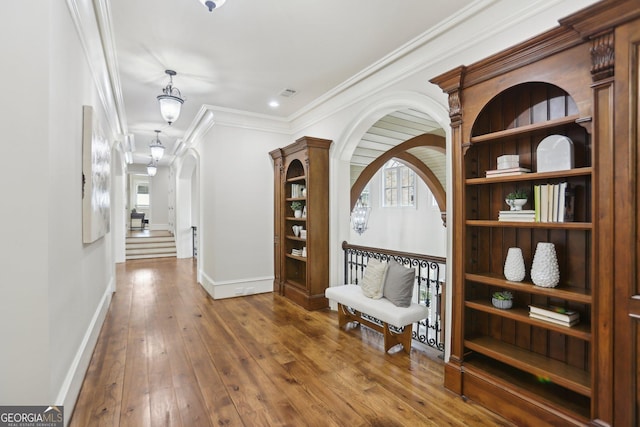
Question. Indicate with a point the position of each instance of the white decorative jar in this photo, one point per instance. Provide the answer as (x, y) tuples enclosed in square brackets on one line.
[(514, 265), (545, 271)]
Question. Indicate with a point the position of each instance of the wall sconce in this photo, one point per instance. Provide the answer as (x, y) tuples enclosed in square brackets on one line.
[(170, 100), (152, 168), (360, 216), (212, 4), (157, 149)]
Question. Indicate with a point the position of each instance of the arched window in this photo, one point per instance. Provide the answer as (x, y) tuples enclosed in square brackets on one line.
[(398, 185)]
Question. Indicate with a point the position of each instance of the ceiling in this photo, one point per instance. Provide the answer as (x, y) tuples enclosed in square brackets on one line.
[(246, 53)]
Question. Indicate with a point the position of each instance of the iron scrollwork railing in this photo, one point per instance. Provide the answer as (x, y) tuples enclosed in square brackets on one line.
[(429, 284)]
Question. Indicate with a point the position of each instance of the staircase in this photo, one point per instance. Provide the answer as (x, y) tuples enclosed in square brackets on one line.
[(140, 247)]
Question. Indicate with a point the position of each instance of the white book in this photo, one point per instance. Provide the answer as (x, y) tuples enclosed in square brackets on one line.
[(556, 312), (544, 203), (554, 208), (552, 320), (561, 201)]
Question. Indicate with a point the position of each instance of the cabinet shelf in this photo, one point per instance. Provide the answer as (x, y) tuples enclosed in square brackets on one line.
[(560, 373), (532, 128), (504, 377), (546, 225), (533, 176), (581, 330), (297, 179), (297, 239), (298, 258), (562, 292), (293, 218)]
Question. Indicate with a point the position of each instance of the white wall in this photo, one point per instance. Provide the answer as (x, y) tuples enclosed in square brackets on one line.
[(159, 199), (54, 290), (236, 198), (416, 229)]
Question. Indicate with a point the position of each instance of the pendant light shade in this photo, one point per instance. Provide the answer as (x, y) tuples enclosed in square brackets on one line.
[(152, 169), (171, 100), (157, 149), (212, 4), (360, 216)]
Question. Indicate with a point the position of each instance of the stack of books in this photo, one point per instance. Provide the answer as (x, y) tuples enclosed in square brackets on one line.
[(554, 202), (296, 252), (553, 314), (507, 172), (517, 216), (508, 165), (296, 190)]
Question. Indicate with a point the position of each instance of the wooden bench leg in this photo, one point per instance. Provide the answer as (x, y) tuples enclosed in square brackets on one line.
[(404, 338), (345, 317)]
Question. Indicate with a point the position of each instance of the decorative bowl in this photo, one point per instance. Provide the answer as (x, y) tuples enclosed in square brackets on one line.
[(503, 304)]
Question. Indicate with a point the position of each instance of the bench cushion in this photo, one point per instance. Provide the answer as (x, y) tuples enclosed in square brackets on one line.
[(382, 309)]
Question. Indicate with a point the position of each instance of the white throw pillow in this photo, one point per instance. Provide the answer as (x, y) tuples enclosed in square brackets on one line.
[(373, 279)]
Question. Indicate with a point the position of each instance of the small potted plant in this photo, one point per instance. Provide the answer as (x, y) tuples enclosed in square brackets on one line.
[(502, 299), (297, 208), (516, 199)]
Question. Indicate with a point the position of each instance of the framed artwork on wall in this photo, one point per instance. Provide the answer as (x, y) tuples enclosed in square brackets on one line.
[(96, 167)]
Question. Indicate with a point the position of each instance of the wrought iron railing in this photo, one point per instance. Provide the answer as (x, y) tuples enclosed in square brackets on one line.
[(429, 285), (194, 240)]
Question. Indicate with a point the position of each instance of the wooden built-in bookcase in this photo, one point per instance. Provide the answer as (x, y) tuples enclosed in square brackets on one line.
[(560, 83), (303, 164)]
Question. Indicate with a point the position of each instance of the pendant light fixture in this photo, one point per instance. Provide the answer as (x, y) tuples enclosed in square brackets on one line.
[(152, 169), (170, 100), (360, 216), (212, 4), (157, 149)]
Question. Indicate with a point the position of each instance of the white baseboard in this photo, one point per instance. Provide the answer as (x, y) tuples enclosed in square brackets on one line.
[(70, 389), (236, 288)]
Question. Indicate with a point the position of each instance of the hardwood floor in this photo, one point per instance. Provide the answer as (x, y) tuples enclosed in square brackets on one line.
[(168, 355)]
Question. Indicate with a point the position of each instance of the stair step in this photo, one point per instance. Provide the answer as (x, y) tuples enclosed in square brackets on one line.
[(150, 245), (151, 251), (149, 239), (144, 247), (146, 256)]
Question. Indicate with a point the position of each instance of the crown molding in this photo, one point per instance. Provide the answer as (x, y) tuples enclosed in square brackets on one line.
[(86, 22), (436, 50)]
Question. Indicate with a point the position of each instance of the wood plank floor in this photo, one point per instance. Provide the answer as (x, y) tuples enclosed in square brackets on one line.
[(168, 355)]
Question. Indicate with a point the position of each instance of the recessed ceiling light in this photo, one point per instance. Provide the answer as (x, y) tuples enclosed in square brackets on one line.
[(274, 104)]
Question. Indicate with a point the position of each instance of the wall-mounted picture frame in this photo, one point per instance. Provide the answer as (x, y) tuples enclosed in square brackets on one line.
[(96, 171)]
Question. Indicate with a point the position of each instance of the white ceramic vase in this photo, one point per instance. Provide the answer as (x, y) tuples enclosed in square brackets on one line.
[(297, 213), (545, 271), (514, 265)]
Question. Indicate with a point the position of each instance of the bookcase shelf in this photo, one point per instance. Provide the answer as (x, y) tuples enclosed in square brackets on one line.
[(519, 224), (581, 331), (568, 293), (548, 369), (547, 126), (532, 176)]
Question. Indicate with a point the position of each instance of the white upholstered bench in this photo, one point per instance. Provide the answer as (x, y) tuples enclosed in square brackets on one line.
[(385, 294)]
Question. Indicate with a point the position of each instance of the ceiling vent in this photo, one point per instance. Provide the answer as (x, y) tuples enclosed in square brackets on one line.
[(288, 93)]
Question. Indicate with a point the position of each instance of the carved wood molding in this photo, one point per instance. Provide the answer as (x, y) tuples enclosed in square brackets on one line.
[(602, 56), (451, 84)]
